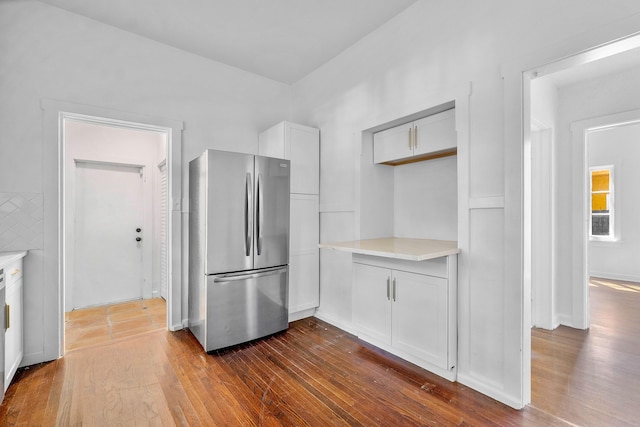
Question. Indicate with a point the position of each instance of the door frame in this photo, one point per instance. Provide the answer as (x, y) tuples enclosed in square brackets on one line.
[(54, 113), (581, 206)]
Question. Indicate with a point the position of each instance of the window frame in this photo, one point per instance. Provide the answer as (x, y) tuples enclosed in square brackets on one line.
[(611, 237)]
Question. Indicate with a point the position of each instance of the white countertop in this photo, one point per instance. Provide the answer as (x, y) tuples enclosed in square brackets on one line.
[(399, 248), (9, 257)]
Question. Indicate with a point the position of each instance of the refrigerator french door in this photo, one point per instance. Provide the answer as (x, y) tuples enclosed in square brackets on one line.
[(238, 248)]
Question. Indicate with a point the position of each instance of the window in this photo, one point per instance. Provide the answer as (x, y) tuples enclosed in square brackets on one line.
[(601, 203)]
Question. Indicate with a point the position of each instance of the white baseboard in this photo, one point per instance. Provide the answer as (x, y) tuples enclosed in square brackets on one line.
[(614, 276), (33, 359), (492, 392), (565, 319), (302, 314), (338, 323)]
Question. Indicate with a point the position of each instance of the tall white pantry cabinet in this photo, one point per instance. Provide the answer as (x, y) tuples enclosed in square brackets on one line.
[(301, 146)]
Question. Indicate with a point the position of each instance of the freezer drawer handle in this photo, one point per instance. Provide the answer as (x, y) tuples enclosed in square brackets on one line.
[(232, 278), (248, 216), (260, 203)]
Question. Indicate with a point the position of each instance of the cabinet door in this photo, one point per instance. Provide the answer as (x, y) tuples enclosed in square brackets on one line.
[(435, 133), (372, 303), (13, 334), (271, 142), (420, 316), (393, 144), (304, 287), (303, 149)]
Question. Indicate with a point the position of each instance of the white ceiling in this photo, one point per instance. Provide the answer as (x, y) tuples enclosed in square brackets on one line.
[(280, 39)]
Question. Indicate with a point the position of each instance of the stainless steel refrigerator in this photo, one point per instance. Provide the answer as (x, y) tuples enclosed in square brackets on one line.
[(238, 247)]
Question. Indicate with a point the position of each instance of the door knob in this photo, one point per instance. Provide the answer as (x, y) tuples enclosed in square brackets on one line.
[(138, 239), (138, 229)]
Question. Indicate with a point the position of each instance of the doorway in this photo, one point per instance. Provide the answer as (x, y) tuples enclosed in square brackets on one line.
[(570, 268), (115, 233)]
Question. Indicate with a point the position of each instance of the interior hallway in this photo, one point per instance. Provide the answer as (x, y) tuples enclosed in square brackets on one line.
[(592, 377), (99, 325)]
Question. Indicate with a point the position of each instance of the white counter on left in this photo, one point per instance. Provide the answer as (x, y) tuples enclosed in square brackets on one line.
[(11, 263), (7, 258)]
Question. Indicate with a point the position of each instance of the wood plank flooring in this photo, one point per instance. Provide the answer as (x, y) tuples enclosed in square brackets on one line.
[(313, 374), (592, 377)]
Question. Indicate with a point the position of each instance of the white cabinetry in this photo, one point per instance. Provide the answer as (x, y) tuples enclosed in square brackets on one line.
[(13, 318), (304, 268), (430, 137), (301, 145), (408, 308)]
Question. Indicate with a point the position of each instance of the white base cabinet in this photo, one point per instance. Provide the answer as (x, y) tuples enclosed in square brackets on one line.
[(408, 308), (13, 321)]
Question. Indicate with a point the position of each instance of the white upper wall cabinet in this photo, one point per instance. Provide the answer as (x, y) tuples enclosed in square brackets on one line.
[(430, 137), (299, 144)]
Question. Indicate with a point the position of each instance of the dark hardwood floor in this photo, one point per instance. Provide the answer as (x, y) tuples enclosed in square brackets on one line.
[(592, 377), (313, 374)]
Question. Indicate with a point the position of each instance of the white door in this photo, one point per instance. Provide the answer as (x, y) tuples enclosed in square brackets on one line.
[(108, 212)]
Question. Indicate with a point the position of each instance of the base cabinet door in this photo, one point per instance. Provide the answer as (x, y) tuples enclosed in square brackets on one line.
[(13, 340), (420, 316), (304, 265), (372, 302)]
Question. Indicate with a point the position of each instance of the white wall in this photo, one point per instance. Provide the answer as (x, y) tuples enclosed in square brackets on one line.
[(48, 53), (620, 147), (609, 95), (426, 199), (86, 141), (431, 47), (545, 235)]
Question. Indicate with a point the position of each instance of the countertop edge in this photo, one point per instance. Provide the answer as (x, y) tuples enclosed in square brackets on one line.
[(393, 255), (11, 256)]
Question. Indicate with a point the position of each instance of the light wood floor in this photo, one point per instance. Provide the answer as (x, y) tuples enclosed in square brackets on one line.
[(100, 325), (592, 377)]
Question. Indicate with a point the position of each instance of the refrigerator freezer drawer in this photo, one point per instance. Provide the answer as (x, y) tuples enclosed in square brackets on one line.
[(245, 306)]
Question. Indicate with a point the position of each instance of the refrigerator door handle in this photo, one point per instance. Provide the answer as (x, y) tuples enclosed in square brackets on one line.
[(260, 213), (248, 214), (237, 277)]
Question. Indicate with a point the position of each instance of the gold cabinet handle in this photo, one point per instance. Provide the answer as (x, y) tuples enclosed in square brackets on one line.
[(409, 139), (16, 271), (415, 137), (7, 315)]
